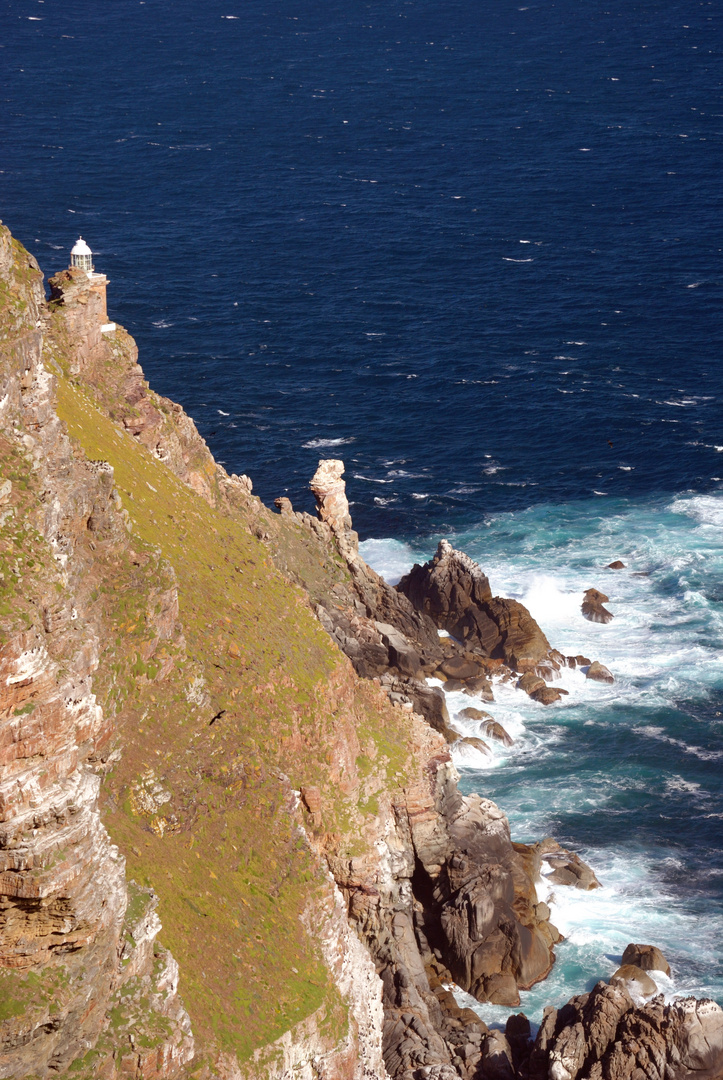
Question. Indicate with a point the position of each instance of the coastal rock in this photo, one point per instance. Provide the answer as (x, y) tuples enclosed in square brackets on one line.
[(332, 504), (604, 1036), (480, 686), (647, 957), (446, 586), (599, 673), (593, 609), (455, 592), (402, 655), (497, 1063), (474, 714), (493, 730), (546, 695), (636, 981), (617, 565), (459, 667), (477, 744), (568, 868), (492, 939), (284, 505), (428, 701), (530, 682)]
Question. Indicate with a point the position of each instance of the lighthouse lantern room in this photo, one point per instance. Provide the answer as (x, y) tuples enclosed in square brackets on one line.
[(81, 256)]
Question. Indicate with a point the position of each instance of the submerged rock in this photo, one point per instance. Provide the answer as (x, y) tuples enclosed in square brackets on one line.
[(478, 744)]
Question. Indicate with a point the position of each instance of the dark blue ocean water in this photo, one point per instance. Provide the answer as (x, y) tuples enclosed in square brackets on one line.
[(475, 250), (463, 237)]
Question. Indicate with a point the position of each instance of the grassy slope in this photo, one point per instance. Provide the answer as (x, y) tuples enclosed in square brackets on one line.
[(232, 872)]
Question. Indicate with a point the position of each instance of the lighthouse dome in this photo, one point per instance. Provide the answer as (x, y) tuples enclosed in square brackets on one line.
[(81, 255), (81, 248)]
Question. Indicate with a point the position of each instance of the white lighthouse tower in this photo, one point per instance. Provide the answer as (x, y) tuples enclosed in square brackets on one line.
[(81, 257)]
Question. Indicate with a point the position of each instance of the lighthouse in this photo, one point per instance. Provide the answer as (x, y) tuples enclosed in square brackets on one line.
[(81, 258)]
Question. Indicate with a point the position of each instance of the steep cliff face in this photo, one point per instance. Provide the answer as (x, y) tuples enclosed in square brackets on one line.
[(183, 742), (64, 902)]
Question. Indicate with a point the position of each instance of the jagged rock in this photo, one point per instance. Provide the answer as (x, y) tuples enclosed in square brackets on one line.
[(599, 673), (480, 687), (568, 868), (593, 609), (604, 1036), (490, 947), (284, 506), (455, 592), (330, 493), (617, 565), (402, 655), (444, 587), (497, 1057), (647, 957), (519, 1038), (636, 981)]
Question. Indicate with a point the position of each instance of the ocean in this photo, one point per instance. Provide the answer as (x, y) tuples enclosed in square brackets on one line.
[(475, 251)]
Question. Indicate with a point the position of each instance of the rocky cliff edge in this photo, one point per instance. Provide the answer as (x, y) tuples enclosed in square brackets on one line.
[(225, 851)]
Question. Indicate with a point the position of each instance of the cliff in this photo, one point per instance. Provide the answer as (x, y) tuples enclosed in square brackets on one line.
[(231, 838)]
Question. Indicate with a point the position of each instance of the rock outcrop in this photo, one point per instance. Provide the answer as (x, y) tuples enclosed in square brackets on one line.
[(636, 981), (604, 1036), (647, 957), (599, 673), (455, 593), (593, 606)]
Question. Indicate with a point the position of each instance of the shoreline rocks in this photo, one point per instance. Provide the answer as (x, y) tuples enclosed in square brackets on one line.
[(646, 957), (599, 673), (593, 609), (455, 593)]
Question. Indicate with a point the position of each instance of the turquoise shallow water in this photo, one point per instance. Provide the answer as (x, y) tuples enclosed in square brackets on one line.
[(628, 775)]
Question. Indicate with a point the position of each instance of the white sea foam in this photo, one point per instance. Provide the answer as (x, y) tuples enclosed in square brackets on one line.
[(664, 646), (319, 444)]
